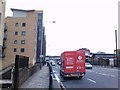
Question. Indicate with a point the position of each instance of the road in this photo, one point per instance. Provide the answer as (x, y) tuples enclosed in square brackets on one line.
[(98, 77)]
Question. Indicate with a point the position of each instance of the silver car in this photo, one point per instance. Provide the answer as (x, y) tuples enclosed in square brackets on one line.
[(88, 65)]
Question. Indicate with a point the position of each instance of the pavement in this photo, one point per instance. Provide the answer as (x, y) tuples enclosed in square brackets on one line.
[(38, 80)]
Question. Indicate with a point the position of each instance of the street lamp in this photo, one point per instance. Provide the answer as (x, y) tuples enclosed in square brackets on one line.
[(116, 46), (42, 38), (50, 21)]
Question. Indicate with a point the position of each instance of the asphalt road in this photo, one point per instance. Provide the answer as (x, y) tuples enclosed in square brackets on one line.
[(98, 77)]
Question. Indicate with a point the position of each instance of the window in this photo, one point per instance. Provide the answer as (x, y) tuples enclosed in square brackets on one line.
[(15, 50), (16, 24), (23, 24), (16, 33), (15, 41), (23, 33), (22, 50), (22, 41)]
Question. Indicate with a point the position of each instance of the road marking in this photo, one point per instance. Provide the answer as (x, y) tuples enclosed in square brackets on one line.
[(104, 74), (91, 80), (56, 77), (62, 86)]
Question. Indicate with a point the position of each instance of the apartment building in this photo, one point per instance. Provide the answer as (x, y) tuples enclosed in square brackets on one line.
[(25, 36), (2, 17)]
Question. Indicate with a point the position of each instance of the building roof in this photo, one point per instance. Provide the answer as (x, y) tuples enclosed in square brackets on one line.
[(22, 10), (103, 53)]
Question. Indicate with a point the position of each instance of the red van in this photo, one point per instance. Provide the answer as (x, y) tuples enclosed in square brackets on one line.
[(73, 64)]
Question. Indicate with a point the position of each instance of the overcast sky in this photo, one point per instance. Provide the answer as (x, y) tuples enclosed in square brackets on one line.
[(79, 23)]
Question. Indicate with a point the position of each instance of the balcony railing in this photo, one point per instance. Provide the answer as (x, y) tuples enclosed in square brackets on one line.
[(5, 28), (5, 37), (4, 46), (3, 55)]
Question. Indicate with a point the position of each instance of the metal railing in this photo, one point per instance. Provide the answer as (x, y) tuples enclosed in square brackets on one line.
[(50, 76)]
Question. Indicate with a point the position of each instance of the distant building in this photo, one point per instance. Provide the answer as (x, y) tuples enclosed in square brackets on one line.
[(118, 57), (25, 36), (102, 58), (100, 52)]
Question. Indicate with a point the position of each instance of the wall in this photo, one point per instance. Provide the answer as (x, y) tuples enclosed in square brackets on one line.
[(24, 74)]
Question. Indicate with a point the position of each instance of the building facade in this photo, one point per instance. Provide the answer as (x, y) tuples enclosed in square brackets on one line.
[(103, 59), (2, 17), (25, 36), (117, 60), (119, 57)]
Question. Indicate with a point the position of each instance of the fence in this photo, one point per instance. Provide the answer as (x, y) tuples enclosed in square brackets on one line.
[(50, 76)]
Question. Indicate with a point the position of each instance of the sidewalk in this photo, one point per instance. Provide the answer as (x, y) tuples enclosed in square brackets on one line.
[(38, 80)]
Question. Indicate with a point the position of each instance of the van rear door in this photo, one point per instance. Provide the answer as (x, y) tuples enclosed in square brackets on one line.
[(80, 61), (69, 62)]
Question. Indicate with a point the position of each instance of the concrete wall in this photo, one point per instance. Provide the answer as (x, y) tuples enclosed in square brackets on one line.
[(24, 74)]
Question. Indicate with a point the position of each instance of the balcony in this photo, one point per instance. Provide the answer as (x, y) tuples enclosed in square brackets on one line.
[(4, 46), (5, 28), (3, 55), (5, 37)]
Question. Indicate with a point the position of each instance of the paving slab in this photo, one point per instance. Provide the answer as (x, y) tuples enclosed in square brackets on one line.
[(38, 80)]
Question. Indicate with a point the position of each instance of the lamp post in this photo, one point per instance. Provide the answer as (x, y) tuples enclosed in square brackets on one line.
[(116, 47), (50, 21), (42, 38)]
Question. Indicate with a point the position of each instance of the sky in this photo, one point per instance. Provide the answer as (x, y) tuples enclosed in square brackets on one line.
[(79, 23)]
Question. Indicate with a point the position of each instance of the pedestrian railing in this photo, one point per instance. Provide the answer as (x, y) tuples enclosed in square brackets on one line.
[(50, 75)]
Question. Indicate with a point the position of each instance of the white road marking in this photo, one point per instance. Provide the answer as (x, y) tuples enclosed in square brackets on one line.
[(91, 80), (56, 77), (104, 74), (63, 87)]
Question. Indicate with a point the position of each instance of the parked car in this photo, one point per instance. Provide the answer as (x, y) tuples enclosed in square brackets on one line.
[(88, 65), (59, 63), (53, 63)]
